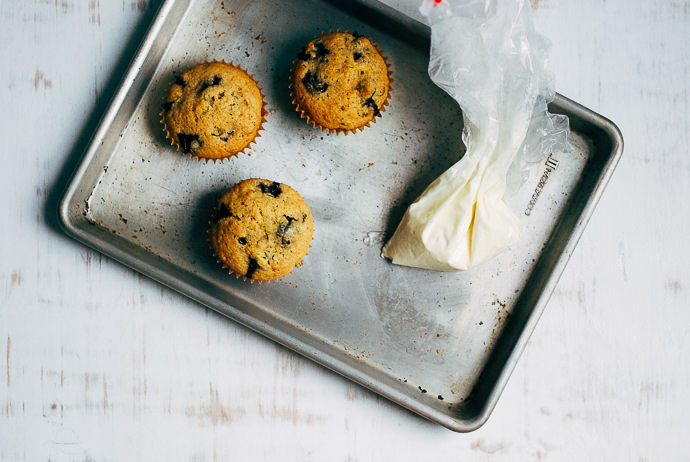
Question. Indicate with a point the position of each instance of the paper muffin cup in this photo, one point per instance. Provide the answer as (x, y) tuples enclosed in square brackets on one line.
[(223, 264), (174, 141), (338, 130)]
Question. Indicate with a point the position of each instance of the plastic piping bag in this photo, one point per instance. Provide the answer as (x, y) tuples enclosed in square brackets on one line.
[(486, 55)]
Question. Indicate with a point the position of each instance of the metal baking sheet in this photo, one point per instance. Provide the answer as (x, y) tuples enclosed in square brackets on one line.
[(441, 344)]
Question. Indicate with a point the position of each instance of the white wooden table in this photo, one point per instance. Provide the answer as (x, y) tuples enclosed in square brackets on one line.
[(100, 364)]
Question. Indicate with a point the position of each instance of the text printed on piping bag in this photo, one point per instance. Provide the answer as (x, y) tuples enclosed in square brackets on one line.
[(486, 55)]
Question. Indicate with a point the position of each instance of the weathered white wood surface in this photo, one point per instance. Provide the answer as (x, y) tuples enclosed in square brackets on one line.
[(98, 363)]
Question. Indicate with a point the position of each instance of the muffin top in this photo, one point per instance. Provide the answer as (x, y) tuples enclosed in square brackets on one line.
[(213, 110), (340, 81), (262, 229)]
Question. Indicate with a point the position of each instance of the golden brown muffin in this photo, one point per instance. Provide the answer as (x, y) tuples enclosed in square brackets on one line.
[(213, 111), (340, 82), (262, 229)]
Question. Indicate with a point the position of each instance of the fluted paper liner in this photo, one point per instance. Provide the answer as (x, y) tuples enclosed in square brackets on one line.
[(249, 145), (219, 261), (339, 130)]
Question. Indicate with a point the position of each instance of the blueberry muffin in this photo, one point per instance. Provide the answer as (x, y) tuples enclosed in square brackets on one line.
[(340, 82), (261, 229), (213, 111)]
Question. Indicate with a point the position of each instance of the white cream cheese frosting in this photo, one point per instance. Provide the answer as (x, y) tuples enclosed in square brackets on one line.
[(461, 219), (486, 55)]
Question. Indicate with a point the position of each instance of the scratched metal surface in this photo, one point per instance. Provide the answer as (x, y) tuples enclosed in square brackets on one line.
[(440, 344), (98, 363)]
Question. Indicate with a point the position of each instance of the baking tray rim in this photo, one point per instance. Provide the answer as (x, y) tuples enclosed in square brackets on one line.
[(73, 227)]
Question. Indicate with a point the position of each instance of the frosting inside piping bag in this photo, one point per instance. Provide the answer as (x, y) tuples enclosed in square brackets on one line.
[(486, 55)]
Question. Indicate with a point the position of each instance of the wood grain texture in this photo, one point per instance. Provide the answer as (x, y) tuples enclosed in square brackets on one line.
[(100, 364)]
